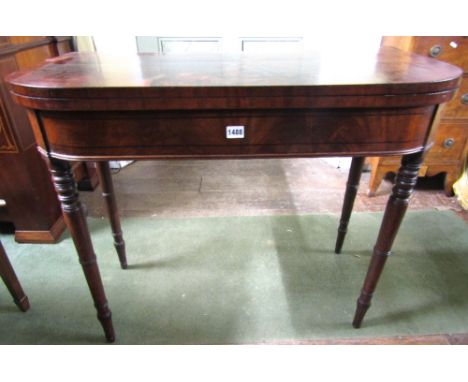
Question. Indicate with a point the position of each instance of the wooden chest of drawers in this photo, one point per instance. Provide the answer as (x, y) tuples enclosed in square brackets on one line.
[(451, 138)]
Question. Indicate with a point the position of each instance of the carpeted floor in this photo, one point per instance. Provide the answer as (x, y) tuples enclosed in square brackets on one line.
[(238, 280)]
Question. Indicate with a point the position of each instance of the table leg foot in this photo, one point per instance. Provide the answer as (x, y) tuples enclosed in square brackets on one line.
[(364, 301), (8, 275), (350, 195), (363, 304), (105, 318), (108, 193), (121, 253), (75, 220), (396, 207), (23, 304)]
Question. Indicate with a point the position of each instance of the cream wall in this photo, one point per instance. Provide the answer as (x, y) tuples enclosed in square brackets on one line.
[(122, 44)]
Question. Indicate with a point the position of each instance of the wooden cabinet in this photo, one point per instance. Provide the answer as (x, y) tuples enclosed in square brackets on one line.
[(451, 138), (29, 200)]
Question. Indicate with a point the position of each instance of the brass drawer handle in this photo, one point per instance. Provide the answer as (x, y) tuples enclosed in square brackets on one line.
[(449, 142), (435, 51), (464, 99)]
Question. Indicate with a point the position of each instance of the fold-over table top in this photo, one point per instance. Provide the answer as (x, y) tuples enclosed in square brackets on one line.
[(92, 81)]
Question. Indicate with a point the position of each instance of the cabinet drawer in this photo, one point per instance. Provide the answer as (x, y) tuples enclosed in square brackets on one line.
[(449, 142), (449, 49), (458, 106)]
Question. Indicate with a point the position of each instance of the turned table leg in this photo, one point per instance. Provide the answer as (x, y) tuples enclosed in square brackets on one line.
[(12, 283), (351, 190), (396, 207), (75, 220), (107, 186)]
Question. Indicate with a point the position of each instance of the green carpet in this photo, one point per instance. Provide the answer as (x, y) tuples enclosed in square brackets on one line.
[(237, 280)]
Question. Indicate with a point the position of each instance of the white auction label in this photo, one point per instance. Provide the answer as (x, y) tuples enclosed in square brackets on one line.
[(234, 132)]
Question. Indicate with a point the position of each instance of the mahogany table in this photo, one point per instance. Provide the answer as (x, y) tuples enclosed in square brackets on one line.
[(93, 107)]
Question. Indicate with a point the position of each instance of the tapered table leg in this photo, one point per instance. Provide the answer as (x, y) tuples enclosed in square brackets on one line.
[(11, 281), (108, 193), (351, 190), (75, 220), (396, 207)]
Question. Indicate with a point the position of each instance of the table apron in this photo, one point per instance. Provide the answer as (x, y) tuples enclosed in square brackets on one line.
[(202, 134)]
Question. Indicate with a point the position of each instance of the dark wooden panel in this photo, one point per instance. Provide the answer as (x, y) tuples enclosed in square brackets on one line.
[(31, 199), (14, 113), (201, 134), (25, 185), (55, 45), (7, 141), (34, 55), (65, 46)]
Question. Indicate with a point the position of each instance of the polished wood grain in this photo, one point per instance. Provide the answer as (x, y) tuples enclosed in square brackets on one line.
[(450, 148), (351, 190), (108, 193), (31, 201), (64, 183), (394, 213), (385, 70), (269, 133), (8, 275), (451, 49), (52, 45), (97, 107), (7, 138)]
